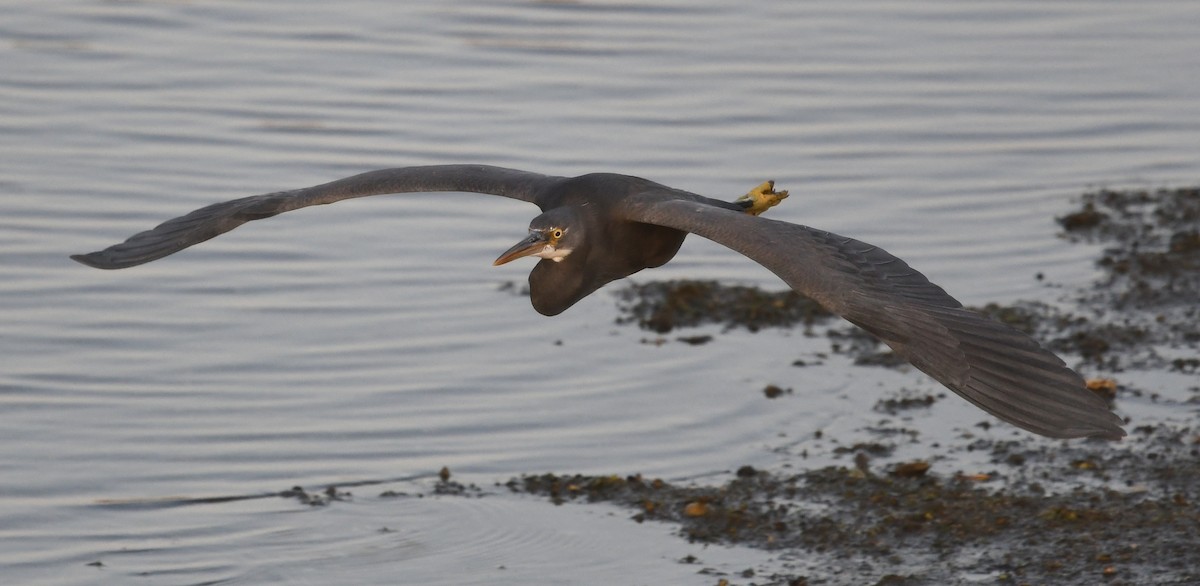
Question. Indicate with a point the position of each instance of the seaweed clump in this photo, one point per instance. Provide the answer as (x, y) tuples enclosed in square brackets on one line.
[(662, 306)]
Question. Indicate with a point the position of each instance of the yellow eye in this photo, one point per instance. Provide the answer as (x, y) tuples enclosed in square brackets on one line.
[(556, 233)]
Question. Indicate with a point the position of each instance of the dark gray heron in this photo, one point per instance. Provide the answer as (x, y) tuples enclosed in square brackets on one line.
[(601, 227)]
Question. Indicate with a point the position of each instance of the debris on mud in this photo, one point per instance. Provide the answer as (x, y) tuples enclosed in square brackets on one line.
[(1152, 238), (906, 400), (316, 499), (1151, 262), (1017, 531), (445, 486), (695, 340), (775, 391), (867, 448)]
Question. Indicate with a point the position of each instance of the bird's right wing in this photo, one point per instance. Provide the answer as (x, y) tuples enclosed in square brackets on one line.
[(999, 369), (211, 221)]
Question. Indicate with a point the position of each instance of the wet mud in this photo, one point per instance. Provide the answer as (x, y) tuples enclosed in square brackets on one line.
[(911, 523), (1088, 512)]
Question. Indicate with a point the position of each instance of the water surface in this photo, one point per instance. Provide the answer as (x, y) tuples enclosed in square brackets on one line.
[(370, 340)]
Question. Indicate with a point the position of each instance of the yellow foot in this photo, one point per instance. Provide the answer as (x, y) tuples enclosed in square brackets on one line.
[(761, 198)]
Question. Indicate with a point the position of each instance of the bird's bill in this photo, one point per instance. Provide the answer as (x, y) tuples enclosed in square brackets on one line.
[(535, 243)]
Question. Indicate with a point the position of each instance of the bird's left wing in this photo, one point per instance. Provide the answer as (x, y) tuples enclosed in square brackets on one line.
[(994, 366), (211, 221)]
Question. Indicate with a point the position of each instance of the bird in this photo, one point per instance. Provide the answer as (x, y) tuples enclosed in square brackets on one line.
[(600, 227)]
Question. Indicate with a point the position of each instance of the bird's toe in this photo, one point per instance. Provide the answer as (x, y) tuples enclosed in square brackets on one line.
[(761, 198)]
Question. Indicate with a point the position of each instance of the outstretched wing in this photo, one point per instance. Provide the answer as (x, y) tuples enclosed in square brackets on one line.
[(211, 221), (994, 366)]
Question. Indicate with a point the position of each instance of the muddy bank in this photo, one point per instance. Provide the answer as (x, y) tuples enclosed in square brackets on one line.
[(908, 523)]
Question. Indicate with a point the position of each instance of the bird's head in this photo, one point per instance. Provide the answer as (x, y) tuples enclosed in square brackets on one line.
[(552, 235)]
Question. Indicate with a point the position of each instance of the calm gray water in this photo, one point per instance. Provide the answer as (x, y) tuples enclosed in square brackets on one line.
[(369, 340)]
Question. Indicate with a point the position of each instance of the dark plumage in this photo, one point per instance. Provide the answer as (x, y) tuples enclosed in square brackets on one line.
[(600, 227)]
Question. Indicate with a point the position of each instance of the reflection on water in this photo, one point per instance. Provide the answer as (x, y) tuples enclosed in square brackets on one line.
[(369, 340)]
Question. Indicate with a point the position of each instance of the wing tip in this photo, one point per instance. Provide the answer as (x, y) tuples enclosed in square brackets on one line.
[(96, 260), (1112, 433), (1106, 426)]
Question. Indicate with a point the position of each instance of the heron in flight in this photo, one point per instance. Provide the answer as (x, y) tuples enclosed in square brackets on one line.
[(601, 227)]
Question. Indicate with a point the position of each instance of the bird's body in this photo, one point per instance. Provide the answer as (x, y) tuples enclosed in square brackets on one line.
[(601, 227), (614, 248)]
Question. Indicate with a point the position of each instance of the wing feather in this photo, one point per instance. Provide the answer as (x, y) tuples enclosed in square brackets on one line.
[(997, 368), (211, 221)]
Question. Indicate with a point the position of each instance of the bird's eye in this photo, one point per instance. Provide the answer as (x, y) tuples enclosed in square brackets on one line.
[(556, 233)]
